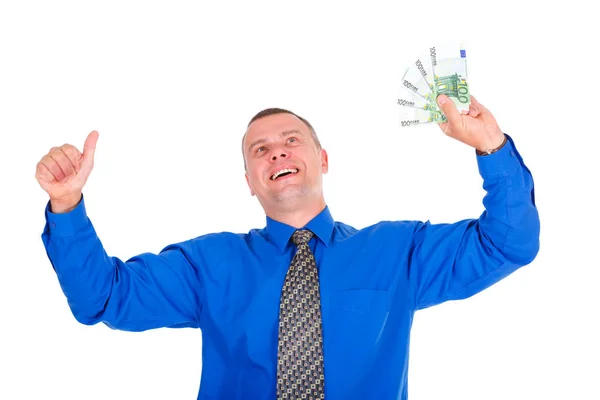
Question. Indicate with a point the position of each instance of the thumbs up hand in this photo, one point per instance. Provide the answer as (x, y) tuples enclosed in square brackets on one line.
[(63, 172)]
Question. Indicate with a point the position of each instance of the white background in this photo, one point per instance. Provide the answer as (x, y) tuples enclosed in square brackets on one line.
[(171, 87)]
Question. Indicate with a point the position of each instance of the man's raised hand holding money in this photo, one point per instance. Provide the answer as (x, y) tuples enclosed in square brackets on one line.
[(477, 127)]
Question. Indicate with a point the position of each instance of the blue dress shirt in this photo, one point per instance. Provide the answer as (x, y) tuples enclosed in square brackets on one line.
[(372, 281)]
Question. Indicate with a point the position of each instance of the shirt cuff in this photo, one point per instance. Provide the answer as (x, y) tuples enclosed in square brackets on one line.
[(499, 163), (67, 223)]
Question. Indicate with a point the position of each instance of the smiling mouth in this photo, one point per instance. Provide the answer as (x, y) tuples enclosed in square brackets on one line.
[(283, 172)]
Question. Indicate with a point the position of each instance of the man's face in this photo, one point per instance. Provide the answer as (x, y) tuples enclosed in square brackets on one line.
[(279, 142)]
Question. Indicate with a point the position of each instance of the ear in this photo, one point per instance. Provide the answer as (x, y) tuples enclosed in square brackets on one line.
[(324, 161), (249, 186)]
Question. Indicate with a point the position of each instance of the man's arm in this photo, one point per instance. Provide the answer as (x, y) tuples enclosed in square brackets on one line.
[(455, 261), (145, 292)]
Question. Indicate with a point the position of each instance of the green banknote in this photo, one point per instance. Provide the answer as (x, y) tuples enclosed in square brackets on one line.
[(449, 66), (411, 116), (408, 98), (443, 71), (414, 81)]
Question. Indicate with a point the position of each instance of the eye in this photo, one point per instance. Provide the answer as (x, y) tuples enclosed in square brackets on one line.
[(293, 138), (260, 148)]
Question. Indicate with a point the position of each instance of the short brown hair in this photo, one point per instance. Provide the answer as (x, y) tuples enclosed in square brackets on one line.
[(274, 110)]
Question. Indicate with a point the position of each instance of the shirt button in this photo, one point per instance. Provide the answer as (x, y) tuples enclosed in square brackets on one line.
[(512, 153), (54, 224)]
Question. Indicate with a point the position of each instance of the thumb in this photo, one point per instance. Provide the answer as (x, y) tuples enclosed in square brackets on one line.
[(449, 109), (89, 148)]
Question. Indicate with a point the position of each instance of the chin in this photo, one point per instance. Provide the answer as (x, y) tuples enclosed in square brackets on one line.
[(293, 194), (288, 197)]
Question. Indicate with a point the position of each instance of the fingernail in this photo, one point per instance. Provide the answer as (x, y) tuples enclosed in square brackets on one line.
[(442, 99)]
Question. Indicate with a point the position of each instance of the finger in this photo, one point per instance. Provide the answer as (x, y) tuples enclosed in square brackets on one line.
[(63, 163), (449, 109), (50, 163), (476, 104), (43, 173), (474, 111), (443, 126), (73, 155), (89, 149)]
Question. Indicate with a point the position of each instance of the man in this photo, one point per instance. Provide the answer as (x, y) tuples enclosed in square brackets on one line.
[(306, 307)]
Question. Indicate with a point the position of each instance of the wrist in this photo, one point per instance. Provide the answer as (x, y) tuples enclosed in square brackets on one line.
[(492, 145), (65, 204)]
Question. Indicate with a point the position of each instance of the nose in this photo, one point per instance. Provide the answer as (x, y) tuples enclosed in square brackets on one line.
[(282, 154)]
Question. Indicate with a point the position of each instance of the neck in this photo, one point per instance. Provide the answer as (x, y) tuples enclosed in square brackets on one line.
[(297, 215)]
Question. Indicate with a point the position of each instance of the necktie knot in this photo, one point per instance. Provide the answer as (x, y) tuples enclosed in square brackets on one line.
[(302, 236)]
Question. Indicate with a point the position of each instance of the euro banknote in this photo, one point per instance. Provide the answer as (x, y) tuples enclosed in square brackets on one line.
[(407, 98), (443, 71), (416, 82), (412, 116), (449, 67)]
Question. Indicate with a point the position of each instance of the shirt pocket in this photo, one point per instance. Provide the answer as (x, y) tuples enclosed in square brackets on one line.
[(353, 333), (359, 316), (361, 301)]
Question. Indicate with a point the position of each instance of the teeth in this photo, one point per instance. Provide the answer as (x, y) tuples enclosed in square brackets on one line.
[(276, 174)]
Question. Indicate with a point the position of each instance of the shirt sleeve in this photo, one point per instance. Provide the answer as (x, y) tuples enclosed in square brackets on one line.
[(145, 292), (456, 261)]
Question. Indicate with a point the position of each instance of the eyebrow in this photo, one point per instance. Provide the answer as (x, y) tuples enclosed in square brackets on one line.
[(281, 134)]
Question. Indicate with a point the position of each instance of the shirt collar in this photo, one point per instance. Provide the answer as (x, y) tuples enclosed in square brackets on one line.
[(280, 233)]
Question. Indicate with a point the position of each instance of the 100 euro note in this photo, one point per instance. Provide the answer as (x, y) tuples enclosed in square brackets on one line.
[(416, 82), (410, 101), (449, 67), (407, 98), (411, 116)]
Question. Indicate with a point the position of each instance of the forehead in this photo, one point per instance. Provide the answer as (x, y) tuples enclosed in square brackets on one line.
[(271, 127)]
